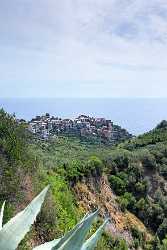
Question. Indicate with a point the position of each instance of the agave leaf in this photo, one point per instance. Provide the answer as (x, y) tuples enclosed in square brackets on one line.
[(48, 245), (77, 235), (91, 243), (75, 238), (1, 215), (15, 230), (51, 244)]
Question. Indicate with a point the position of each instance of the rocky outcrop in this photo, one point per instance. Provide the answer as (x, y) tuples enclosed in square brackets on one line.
[(96, 192)]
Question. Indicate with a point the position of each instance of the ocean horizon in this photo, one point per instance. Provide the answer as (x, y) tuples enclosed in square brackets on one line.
[(137, 115)]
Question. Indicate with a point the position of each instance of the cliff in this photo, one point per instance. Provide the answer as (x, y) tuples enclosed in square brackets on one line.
[(96, 192)]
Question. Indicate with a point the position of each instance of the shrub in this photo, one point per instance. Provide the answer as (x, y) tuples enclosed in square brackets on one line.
[(94, 163), (147, 159), (155, 215), (15, 230), (121, 158), (12, 137), (127, 201), (142, 187), (117, 184), (123, 203)]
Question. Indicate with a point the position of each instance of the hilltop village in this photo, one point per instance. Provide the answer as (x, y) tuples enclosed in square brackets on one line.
[(85, 127)]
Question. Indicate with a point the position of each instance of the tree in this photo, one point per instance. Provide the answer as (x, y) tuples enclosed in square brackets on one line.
[(12, 136)]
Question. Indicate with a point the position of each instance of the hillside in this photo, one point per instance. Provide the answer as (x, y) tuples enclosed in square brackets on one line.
[(127, 182)]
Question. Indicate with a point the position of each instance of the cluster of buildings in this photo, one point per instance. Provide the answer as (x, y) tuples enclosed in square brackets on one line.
[(84, 126)]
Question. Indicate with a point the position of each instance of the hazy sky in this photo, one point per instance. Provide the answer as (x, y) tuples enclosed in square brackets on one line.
[(83, 48)]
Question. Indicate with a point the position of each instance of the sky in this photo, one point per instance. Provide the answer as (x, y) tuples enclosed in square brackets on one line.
[(83, 48)]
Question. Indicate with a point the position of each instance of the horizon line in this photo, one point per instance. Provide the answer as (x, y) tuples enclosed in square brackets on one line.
[(85, 97)]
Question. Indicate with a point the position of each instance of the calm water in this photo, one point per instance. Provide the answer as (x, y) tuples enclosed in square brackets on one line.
[(136, 115)]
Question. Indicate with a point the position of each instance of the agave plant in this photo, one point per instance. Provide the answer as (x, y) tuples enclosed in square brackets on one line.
[(14, 231)]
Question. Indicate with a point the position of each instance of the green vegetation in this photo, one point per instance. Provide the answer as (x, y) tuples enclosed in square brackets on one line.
[(26, 166), (14, 231), (136, 171), (16, 228)]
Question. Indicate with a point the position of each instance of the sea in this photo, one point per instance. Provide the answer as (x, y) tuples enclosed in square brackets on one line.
[(137, 115)]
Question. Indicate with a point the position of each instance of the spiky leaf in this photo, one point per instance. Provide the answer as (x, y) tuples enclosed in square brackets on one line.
[(91, 243), (74, 239), (15, 230), (48, 245), (1, 215)]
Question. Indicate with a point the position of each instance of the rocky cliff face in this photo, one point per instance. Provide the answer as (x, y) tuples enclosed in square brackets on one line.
[(95, 192)]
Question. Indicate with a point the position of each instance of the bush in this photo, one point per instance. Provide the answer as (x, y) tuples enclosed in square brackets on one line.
[(73, 170), (123, 202), (147, 159), (121, 158), (141, 187), (117, 184), (12, 137), (141, 207), (155, 215), (138, 237), (127, 201), (94, 163)]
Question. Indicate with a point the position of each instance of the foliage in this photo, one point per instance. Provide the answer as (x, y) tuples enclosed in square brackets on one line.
[(121, 245), (14, 231), (75, 239), (63, 201), (117, 184), (127, 201), (162, 124), (134, 168), (137, 167), (12, 136), (162, 230)]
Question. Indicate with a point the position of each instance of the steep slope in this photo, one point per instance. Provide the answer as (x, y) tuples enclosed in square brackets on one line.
[(151, 150), (22, 175), (96, 191), (127, 182), (137, 171)]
